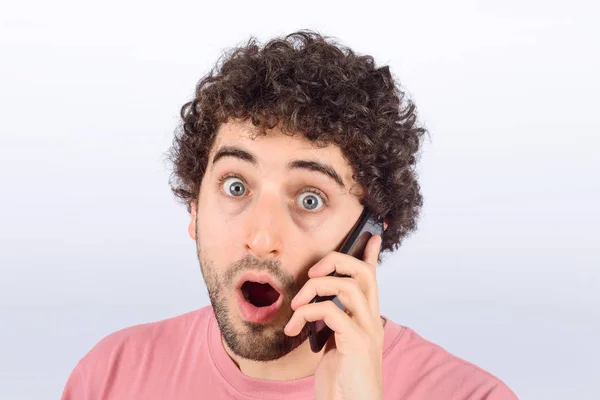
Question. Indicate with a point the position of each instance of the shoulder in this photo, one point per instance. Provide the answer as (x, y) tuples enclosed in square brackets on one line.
[(138, 338), (429, 371), (126, 348)]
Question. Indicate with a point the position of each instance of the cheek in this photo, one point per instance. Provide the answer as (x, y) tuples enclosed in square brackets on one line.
[(327, 238), (225, 208), (217, 232)]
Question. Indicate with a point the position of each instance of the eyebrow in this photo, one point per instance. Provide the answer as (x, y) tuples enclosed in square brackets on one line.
[(309, 165)]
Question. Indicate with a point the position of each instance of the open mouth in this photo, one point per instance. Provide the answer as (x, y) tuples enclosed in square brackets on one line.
[(259, 297), (259, 294)]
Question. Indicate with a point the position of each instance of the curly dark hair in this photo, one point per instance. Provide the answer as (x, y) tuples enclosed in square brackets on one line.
[(307, 84)]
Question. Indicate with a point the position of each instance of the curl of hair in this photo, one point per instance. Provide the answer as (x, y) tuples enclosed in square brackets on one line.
[(306, 84)]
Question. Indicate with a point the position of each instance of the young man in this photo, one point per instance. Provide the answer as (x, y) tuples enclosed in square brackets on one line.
[(280, 151)]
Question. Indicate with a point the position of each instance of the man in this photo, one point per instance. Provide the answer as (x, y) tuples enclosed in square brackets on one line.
[(280, 151)]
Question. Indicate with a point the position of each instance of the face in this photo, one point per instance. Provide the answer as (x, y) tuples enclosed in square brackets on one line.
[(268, 209)]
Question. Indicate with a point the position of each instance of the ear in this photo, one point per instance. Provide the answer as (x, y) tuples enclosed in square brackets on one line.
[(385, 225), (192, 225)]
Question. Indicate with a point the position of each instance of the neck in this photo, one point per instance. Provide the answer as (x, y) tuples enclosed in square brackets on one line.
[(299, 363)]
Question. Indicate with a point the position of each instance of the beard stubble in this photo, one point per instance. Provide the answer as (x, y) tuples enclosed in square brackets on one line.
[(246, 339)]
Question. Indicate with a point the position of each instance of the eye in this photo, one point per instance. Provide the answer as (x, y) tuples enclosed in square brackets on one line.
[(310, 201), (234, 187)]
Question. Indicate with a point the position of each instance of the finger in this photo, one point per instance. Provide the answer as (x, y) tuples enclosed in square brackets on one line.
[(336, 261), (372, 250), (370, 257), (326, 311), (361, 271), (343, 264), (348, 292)]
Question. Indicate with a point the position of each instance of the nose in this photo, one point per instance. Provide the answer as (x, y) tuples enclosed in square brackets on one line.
[(265, 226)]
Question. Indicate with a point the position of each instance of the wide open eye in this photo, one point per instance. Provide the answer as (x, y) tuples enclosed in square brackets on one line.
[(310, 201), (234, 187)]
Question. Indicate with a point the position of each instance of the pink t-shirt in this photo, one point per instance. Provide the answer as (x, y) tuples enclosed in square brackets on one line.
[(183, 358)]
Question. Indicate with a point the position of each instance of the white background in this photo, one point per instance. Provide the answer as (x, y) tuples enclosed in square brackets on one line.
[(504, 270)]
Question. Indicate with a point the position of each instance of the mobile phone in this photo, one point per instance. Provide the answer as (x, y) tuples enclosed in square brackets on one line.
[(354, 245)]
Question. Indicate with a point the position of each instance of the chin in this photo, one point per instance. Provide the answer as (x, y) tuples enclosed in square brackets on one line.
[(258, 341)]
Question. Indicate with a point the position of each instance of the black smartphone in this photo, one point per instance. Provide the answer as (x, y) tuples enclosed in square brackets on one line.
[(354, 245)]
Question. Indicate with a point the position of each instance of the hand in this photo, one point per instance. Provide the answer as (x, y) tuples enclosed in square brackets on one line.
[(351, 367)]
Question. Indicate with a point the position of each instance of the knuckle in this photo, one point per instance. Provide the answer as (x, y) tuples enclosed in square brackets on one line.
[(331, 307), (346, 299), (352, 285), (370, 272), (330, 257)]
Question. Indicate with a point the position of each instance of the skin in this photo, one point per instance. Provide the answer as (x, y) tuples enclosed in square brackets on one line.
[(269, 226)]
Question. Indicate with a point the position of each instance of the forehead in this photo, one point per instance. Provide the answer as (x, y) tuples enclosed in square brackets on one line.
[(275, 149)]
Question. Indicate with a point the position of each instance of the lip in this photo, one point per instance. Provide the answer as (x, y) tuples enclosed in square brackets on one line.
[(259, 315), (249, 311)]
